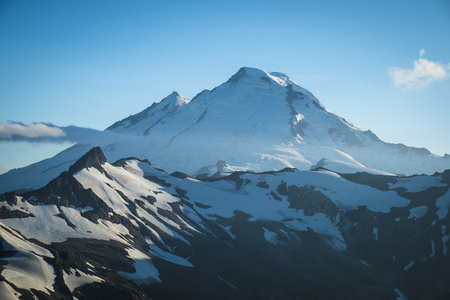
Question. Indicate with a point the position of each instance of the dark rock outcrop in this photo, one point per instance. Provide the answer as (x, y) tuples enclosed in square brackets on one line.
[(94, 158)]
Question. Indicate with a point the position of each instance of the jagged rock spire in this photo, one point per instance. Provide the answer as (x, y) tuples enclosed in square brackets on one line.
[(93, 158)]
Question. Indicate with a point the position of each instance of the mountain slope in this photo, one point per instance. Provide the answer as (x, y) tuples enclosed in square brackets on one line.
[(142, 122), (255, 121), (128, 230)]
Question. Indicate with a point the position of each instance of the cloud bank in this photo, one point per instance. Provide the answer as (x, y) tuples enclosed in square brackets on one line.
[(29, 131), (421, 75), (42, 132)]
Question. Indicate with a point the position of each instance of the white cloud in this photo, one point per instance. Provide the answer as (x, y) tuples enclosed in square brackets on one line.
[(35, 130), (421, 75), (41, 132), (48, 133), (422, 52)]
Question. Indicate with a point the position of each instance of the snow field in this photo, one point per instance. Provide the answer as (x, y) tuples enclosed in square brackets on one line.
[(27, 269), (73, 281)]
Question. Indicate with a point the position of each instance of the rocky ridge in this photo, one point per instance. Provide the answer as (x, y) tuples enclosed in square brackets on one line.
[(128, 230)]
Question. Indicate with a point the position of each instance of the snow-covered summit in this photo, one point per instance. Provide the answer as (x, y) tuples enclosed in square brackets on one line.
[(248, 75), (261, 121), (253, 76)]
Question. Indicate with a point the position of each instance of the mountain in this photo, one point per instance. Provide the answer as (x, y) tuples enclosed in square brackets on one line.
[(264, 121), (252, 190), (256, 121), (128, 230)]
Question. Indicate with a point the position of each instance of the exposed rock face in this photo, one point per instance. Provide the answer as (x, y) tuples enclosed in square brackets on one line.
[(376, 181), (66, 191), (311, 201), (135, 232), (92, 159)]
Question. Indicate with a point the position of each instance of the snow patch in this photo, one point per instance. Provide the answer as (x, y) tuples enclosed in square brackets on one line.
[(348, 167), (7, 292), (228, 230), (417, 183), (443, 204), (48, 228), (155, 250), (400, 295), (364, 262), (417, 212), (433, 250), (146, 272), (270, 236), (73, 281), (375, 233), (445, 239), (28, 271), (13, 241), (409, 266)]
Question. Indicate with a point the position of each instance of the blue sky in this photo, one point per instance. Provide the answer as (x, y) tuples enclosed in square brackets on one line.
[(382, 65)]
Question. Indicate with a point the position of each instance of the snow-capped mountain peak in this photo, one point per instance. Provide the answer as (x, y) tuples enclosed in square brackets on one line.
[(249, 75), (261, 121), (174, 101), (246, 74), (257, 121)]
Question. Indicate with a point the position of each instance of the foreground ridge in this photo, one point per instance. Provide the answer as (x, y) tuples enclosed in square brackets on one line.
[(128, 230)]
